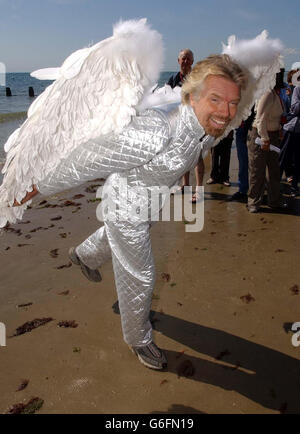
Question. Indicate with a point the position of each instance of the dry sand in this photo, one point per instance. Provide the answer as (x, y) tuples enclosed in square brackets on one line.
[(223, 317)]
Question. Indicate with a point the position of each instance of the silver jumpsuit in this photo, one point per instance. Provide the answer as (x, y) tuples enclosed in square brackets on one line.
[(156, 149)]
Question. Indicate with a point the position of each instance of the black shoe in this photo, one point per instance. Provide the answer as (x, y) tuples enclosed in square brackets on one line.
[(90, 274), (239, 197), (281, 207)]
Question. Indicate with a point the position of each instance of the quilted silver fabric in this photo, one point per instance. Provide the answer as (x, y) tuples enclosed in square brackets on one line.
[(146, 135), (175, 140)]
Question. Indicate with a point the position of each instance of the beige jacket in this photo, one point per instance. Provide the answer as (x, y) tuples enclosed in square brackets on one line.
[(268, 114)]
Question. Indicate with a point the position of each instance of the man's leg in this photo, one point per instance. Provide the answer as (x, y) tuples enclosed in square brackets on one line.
[(242, 153), (186, 179), (296, 160), (272, 159), (199, 174), (225, 152), (91, 254), (257, 173), (134, 272), (95, 250), (214, 174), (286, 157), (273, 179)]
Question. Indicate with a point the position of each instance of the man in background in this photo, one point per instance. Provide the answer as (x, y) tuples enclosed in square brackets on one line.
[(185, 60)]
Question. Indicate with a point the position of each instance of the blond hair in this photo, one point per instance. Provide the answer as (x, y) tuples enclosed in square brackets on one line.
[(219, 64)]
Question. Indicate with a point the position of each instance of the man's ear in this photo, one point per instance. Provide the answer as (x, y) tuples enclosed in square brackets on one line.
[(192, 99)]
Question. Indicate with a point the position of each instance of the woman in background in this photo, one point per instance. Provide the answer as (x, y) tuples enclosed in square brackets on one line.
[(290, 152), (266, 131)]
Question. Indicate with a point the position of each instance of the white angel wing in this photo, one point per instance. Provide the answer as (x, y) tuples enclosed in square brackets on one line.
[(46, 74), (261, 58), (96, 92), (158, 96)]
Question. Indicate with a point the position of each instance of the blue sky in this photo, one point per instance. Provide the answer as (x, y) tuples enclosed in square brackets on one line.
[(42, 33)]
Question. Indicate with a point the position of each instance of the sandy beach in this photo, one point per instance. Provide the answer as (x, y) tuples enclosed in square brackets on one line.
[(223, 306)]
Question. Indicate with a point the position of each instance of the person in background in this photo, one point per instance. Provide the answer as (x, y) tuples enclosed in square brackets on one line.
[(220, 161), (185, 60), (266, 131), (284, 93), (291, 87), (241, 135), (286, 157), (290, 152)]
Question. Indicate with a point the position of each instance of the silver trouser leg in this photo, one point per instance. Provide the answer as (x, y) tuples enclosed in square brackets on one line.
[(95, 250), (134, 276)]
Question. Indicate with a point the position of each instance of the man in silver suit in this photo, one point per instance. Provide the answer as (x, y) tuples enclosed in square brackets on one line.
[(156, 149)]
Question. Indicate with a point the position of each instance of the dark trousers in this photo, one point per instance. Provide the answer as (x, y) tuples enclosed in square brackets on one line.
[(290, 156), (259, 161), (221, 160), (242, 154)]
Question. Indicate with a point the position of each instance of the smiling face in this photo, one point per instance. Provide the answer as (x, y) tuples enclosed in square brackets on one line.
[(217, 104)]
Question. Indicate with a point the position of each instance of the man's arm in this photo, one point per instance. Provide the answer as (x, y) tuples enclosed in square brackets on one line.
[(134, 146), (28, 196), (295, 106), (263, 107)]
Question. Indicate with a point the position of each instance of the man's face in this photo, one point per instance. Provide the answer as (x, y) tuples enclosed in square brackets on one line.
[(217, 104), (185, 61)]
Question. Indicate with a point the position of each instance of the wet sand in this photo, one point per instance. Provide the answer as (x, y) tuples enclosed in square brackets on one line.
[(223, 306)]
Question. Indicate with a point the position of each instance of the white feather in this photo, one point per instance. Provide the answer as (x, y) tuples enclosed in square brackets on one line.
[(46, 74), (156, 97), (261, 59), (259, 51), (91, 89)]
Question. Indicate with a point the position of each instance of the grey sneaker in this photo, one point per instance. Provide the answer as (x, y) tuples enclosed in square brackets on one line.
[(252, 209), (151, 356), (90, 274)]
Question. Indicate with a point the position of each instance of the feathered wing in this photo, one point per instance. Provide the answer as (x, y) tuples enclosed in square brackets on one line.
[(160, 96), (261, 58), (95, 93)]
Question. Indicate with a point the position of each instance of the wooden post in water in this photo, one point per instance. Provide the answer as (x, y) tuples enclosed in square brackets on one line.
[(31, 92), (8, 91)]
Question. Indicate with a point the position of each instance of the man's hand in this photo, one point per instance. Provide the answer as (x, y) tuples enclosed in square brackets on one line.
[(27, 197), (266, 145)]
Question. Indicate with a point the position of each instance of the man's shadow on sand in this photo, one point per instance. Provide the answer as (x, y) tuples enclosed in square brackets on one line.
[(266, 376)]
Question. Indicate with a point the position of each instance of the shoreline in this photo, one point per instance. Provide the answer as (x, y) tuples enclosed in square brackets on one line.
[(11, 116)]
